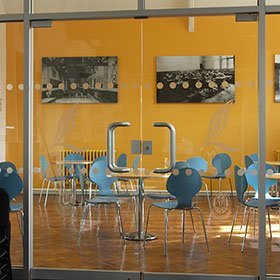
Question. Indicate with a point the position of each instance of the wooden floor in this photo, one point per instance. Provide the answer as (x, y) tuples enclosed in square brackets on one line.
[(56, 231)]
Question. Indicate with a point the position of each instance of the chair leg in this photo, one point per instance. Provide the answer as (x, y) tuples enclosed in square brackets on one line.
[(98, 219), (120, 221), (243, 217), (245, 234), (47, 194), (42, 188), (269, 222), (134, 209), (208, 198), (90, 190), (84, 216), (204, 228), (230, 184), (254, 236), (183, 225), (220, 185), (233, 223), (193, 226), (147, 223), (211, 187), (165, 231)]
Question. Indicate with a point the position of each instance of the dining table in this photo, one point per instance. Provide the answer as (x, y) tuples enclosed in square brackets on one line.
[(140, 176), (73, 164)]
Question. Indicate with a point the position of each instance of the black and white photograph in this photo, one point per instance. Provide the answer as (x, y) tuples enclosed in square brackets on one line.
[(80, 79), (277, 77), (195, 79)]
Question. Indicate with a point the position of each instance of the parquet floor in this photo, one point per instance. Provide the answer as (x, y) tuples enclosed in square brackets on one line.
[(56, 231)]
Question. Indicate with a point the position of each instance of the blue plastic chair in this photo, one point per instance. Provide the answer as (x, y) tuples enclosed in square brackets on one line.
[(248, 161), (11, 182), (200, 165), (255, 157), (221, 162), (241, 184), (135, 163), (184, 186), (49, 180), (107, 197)]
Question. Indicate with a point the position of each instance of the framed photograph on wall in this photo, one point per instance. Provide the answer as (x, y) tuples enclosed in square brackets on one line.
[(80, 79), (195, 79), (277, 77)]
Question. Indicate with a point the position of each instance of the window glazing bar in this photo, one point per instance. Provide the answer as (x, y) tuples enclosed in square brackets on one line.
[(272, 9), (11, 18), (145, 13)]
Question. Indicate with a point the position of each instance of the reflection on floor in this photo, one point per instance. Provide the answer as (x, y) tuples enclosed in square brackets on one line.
[(56, 231)]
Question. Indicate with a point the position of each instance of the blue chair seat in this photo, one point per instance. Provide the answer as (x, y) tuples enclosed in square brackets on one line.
[(214, 176), (16, 207), (161, 196), (102, 200), (166, 204), (255, 203)]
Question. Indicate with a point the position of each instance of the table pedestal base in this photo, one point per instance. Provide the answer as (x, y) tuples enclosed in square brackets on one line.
[(134, 236)]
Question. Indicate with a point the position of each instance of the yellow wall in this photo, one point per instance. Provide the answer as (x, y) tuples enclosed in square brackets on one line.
[(137, 43)]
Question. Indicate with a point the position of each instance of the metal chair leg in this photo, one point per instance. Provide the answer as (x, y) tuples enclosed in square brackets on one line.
[(147, 223), (98, 219), (183, 225), (42, 188), (120, 221), (193, 226), (165, 231), (243, 217), (211, 187), (269, 223), (233, 223), (203, 225), (47, 194), (245, 234), (230, 187), (207, 194), (254, 236), (84, 216)]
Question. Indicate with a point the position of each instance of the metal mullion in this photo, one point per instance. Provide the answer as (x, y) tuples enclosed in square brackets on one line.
[(145, 13), (261, 138), (11, 18), (272, 9), (28, 142)]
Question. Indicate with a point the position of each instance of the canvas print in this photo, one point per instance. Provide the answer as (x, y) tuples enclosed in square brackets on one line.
[(277, 77), (195, 79), (80, 79)]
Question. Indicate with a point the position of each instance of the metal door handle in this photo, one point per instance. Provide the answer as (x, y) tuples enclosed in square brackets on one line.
[(172, 147), (111, 147)]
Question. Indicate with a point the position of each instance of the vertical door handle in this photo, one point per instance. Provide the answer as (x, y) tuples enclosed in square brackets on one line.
[(111, 147), (172, 147)]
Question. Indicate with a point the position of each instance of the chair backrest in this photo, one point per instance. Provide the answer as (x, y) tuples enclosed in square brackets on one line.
[(122, 160), (180, 164), (197, 163), (255, 157), (248, 161), (221, 162), (252, 178), (135, 163), (11, 183), (44, 166), (241, 184), (184, 186), (7, 164), (100, 158), (97, 174)]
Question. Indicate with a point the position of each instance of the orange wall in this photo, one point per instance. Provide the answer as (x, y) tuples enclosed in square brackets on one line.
[(137, 43)]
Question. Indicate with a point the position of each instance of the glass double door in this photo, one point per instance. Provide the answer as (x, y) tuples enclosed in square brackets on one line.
[(168, 95)]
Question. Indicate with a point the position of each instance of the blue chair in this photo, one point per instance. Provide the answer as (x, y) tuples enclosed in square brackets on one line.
[(12, 184), (255, 157), (135, 163), (221, 162), (200, 165), (248, 161), (241, 184), (98, 176), (184, 186), (49, 180)]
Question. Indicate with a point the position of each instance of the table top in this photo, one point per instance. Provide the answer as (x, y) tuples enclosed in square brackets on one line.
[(136, 175), (71, 162), (276, 163)]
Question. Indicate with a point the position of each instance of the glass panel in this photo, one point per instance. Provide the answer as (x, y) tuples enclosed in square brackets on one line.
[(272, 143), (11, 6), (272, 2), (53, 6), (11, 125), (170, 4), (83, 82), (208, 92)]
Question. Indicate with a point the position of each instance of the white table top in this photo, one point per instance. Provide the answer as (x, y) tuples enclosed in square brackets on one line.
[(136, 175), (71, 162), (274, 176), (276, 163)]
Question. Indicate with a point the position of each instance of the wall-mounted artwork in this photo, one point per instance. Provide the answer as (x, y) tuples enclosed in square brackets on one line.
[(277, 77), (195, 79), (80, 79)]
